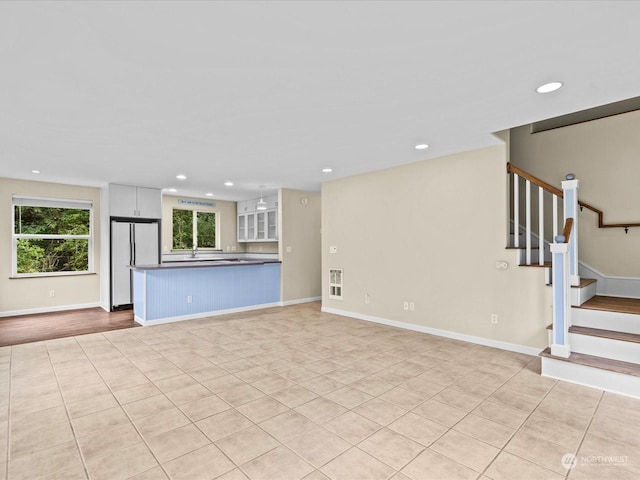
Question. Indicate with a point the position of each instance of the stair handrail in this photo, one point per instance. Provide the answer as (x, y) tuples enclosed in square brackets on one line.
[(556, 191), (561, 272), (535, 180), (566, 231)]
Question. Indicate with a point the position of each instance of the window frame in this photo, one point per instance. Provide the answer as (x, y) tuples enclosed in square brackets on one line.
[(50, 202), (194, 224)]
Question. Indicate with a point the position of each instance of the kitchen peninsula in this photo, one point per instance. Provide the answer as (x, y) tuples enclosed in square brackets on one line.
[(193, 289)]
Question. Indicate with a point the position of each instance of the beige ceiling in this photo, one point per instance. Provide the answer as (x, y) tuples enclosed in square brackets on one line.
[(269, 93)]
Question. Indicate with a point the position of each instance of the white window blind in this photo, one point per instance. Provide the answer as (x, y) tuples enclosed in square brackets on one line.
[(51, 202)]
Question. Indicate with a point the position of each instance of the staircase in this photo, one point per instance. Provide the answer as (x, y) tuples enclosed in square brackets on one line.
[(597, 338)]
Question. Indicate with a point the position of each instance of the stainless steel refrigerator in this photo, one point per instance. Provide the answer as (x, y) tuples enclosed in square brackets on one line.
[(132, 243)]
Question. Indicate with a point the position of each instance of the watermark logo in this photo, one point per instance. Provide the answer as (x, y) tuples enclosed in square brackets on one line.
[(569, 460)]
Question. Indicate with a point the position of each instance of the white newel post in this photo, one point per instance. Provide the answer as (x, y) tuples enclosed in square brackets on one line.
[(570, 188), (561, 296)]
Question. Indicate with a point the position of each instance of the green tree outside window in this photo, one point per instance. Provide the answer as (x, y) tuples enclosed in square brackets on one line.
[(192, 224), (51, 239)]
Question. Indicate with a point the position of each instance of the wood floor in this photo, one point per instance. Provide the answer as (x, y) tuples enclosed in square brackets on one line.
[(47, 326), (613, 304)]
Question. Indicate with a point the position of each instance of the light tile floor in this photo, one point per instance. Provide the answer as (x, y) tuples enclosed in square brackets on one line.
[(293, 393)]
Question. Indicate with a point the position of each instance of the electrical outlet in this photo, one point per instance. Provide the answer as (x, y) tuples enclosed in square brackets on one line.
[(406, 305), (189, 299), (494, 318), (412, 306), (367, 298), (52, 293), (288, 249), (233, 248)]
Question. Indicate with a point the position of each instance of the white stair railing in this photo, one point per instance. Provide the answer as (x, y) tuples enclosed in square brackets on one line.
[(564, 249), (544, 191)]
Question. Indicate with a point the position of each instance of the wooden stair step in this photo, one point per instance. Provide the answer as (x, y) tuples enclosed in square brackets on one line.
[(599, 332), (546, 264), (617, 366), (613, 304), (612, 334), (584, 282)]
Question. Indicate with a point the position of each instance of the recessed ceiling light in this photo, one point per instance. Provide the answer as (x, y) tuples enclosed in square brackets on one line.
[(209, 194), (421, 146), (549, 87), (172, 190), (327, 170), (35, 171), (181, 177), (228, 184)]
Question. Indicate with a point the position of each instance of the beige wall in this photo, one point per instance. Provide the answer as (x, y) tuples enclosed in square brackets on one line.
[(299, 244), (227, 218), (259, 247), (430, 233), (24, 295), (604, 156)]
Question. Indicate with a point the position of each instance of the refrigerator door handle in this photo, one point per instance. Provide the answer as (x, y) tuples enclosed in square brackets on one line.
[(132, 246)]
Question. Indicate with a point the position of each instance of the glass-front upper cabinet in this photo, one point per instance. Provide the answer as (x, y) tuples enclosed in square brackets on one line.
[(272, 225), (258, 226)]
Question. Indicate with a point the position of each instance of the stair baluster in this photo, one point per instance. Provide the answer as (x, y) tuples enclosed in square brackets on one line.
[(516, 210), (528, 222), (541, 226)]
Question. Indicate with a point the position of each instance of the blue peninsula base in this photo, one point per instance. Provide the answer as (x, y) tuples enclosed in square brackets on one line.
[(162, 295)]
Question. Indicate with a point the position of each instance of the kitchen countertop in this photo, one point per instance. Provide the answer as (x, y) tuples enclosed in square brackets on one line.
[(204, 263)]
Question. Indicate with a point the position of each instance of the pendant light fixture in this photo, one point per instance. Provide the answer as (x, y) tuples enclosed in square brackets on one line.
[(261, 205)]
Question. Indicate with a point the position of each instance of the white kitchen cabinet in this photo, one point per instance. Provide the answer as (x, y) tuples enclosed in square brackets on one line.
[(258, 226), (247, 227), (137, 202), (261, 226), (242, 227), (272, 225), (251, 227)]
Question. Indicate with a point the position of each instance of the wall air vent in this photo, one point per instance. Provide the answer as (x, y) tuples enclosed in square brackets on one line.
[(335, 283)]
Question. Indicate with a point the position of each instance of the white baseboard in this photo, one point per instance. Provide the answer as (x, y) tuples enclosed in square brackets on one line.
[(31, 311), (194, 316), (300, 300), (512, 347), (614, 286)]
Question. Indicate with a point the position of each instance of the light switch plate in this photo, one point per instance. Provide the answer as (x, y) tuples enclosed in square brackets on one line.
[(333, 249)]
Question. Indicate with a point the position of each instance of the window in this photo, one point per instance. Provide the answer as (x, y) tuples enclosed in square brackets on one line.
[(51, 236), (193, 224)]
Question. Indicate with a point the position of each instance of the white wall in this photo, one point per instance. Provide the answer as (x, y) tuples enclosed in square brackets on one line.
[(430, 233), (603, 154), (31, 295)]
